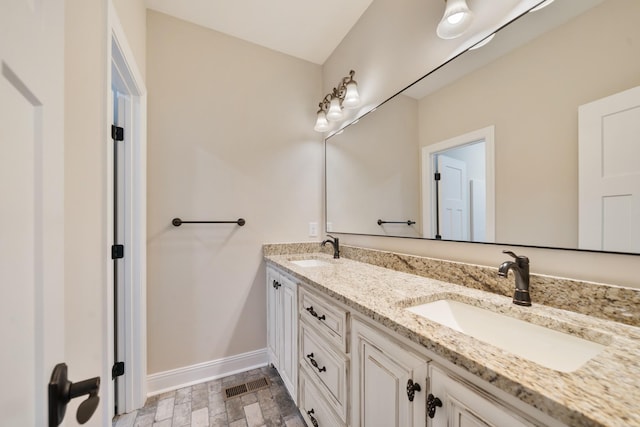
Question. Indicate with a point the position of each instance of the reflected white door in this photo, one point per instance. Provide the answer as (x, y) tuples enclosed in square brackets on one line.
[(31, 207), (609, 173), (453, 199)]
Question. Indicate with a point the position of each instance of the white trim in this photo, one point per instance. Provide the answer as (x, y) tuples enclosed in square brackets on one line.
[(488, 135), (162, 382), (107, 392), (120, 55)]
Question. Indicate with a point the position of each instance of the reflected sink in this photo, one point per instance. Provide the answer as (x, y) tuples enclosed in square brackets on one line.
[(310, 262), (547, 347)]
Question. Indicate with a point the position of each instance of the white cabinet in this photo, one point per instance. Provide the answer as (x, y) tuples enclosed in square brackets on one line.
[(389, 383), (461, 404), (324, 362), (355, 372), (386, 373), (282, 327)]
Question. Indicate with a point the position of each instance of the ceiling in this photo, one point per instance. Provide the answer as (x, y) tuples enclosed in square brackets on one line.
[(306, 29)]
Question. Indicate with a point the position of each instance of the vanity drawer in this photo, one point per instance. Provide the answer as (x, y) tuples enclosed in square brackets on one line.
[(331, 321), (327, 367), (314, 407)]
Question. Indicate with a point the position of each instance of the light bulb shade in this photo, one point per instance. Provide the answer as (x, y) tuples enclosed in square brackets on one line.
[(456, 20), (542, 5), (322, 125), (335, 110), (351, 96), (485, 41)]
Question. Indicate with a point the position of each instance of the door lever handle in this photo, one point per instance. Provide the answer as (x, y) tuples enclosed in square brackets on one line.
[(61, 391)]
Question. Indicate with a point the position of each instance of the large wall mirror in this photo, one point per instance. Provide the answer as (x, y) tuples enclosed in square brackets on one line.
[(533, 139)]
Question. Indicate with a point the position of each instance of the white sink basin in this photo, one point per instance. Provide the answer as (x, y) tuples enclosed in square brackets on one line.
[(310, 263), (547, 347)]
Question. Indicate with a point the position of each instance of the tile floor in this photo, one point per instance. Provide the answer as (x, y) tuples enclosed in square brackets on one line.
[(203, 405)]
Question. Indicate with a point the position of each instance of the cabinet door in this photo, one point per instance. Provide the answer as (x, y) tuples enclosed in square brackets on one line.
[(289, 335), (464, 405), (274, 303), (381, 372)]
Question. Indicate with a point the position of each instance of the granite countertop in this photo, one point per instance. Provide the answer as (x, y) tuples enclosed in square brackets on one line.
[(605, 391)]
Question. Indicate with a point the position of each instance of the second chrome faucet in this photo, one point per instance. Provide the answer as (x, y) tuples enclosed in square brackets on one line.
[(520, 268)]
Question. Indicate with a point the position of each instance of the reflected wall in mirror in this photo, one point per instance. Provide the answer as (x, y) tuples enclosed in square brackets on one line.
[(528, 85)]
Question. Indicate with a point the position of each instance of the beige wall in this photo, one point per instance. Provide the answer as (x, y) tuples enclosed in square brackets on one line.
[(373, 170), (86, 241), (230, 134), (133, 16), (85, 209), (368, 49), (532, 97)]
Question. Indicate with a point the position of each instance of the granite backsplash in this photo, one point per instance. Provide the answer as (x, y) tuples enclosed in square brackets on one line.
[(611, 302)]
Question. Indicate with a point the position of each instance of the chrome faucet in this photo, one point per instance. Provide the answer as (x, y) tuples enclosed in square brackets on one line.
[(521, 271), (335, 243)]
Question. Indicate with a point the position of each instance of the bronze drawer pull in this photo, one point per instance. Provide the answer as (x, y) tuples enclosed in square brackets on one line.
[(313, 420), (315, 364), (314, 314)]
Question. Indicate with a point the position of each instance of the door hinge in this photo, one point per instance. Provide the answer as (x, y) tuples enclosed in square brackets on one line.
[(117, 251), (117, 133), (436, 176), (117, 370)]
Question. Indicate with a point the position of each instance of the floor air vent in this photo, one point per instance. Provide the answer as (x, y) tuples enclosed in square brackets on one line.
[(242, 389)]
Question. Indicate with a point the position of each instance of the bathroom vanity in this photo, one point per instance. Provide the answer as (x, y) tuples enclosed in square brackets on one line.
[(367, 357)]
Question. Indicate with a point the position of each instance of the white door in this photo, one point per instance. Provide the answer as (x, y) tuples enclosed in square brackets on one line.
[(609, 173), (453, 199), (31, 206)]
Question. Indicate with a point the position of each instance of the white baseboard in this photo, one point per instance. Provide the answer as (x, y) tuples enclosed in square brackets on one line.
[(162, 382)]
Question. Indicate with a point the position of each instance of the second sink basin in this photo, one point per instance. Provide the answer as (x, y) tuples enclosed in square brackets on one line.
[(313, 262), (547, 347)]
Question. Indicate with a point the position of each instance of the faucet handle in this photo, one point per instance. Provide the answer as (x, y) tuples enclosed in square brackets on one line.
[(511, 254), (518, 258)]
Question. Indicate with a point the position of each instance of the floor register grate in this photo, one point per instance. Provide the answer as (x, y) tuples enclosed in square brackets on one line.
[(246, 388)]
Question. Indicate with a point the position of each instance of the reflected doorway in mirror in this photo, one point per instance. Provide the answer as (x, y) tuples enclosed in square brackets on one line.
[(458, 187)]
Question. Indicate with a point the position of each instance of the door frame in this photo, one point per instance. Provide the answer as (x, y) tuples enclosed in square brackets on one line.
[(428, 185), (120, 56)]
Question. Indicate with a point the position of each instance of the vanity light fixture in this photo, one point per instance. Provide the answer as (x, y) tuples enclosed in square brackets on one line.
[(456, 19), (344, 96)]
